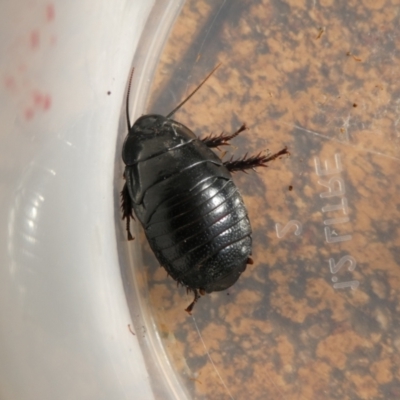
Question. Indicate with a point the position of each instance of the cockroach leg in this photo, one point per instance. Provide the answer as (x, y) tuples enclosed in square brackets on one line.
[(189, 308), (126, 206), (221, 139), (252, 162)]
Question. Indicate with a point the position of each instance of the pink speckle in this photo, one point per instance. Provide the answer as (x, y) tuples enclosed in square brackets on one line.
[(50, 13), (9, 82), (46, 102), (34, 39), (37, 98), (29, 113), (41, 100)]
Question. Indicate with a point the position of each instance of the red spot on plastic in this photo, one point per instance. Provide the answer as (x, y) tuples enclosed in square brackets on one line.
[(9, 83), (46, 102), (50, 13), (37, 98), (41, 100), (29, 113), (34, 39)]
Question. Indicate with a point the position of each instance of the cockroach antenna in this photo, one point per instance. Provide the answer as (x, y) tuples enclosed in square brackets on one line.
[(191, 94)]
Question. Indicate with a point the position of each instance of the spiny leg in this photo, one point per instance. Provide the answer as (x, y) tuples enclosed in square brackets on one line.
[(126, 207), (253, 162), (189, 308), (221, 139)]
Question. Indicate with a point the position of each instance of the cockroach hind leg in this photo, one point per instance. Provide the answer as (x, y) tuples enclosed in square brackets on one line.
[(189, 308), (246, 162), (252, 162)]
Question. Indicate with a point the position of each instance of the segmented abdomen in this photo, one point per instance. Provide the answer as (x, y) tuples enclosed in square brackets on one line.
[(196, 223)]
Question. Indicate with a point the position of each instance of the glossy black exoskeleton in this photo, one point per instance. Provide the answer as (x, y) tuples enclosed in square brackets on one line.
[(183, 194)]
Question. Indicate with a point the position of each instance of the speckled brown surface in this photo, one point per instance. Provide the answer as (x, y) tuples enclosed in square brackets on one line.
[(321, 77)]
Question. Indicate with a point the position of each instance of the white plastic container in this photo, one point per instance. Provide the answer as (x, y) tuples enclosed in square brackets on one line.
[(64, 318), (86, 315)]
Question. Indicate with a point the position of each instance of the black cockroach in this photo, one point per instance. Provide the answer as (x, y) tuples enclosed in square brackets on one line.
[(193, 216)]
